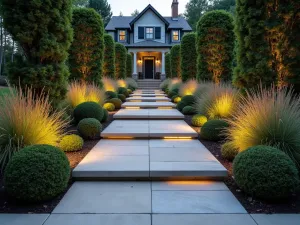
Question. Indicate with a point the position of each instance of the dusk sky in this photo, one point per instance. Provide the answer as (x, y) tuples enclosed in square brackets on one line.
[(128, 6)]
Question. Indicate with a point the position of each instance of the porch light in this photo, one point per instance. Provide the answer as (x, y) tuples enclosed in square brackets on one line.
[(140, 61), (157, 61)]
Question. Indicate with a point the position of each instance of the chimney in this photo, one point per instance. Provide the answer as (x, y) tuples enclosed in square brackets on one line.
[(175, 9)]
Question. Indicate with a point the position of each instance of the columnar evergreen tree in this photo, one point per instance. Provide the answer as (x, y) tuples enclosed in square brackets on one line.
[(215, 45), (86, 52), (188, 57), (121, 58), (109, 69), (175, 61), (129, 65), (168, 65), (43, 30)]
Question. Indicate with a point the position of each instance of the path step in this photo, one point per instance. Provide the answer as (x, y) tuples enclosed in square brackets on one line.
[(148, 99), (149, 129), (148, 95), (149, 160), (148, 105), (148, 114)]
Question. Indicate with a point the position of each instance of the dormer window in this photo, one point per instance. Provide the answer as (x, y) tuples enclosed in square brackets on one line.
[(175, 35), (122, 35), (149, 32)]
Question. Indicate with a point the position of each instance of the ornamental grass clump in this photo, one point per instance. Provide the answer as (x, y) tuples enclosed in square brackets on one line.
[(175, 85), (28, 119), (218, 101), (188, 88), (122, 83), (267, 117), (109, 84), (164, 85), (80, 92), (131, 83)]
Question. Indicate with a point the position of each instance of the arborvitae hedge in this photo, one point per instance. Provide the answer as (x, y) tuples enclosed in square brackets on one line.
[(188, 57), (175, 61), (43, 30), (121, 58), (129, 65), (168, 65), (86, 52), (268, 38), (109, 69), (215, 45)]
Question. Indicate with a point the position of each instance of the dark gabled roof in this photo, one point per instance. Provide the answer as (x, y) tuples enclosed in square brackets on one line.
[(144, 11), (119, 22), (153, 44), (180, 23)]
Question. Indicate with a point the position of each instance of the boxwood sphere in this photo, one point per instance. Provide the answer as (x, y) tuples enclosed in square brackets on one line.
[(172, 93), (117, 102), (37, 173), (89, 128), (110, 95), (123, 91), (181, 105), (105, 116), (266, 172), (109, 106), (122, 97), (71, 143), (188, 110), (199, 120), (212, 130), (129, 91), (88, 110), (188, 99), (177, 99), (228, 151)]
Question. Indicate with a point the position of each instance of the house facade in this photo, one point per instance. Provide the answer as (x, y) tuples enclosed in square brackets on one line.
[(148, 37)]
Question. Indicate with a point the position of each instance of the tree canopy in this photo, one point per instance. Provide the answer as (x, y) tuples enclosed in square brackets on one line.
[(103, 8)]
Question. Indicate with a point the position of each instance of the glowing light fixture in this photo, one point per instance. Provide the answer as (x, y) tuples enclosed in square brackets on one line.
[(177, 137), (132, 107)]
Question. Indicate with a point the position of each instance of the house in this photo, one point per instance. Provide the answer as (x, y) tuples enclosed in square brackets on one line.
[(148, 37)]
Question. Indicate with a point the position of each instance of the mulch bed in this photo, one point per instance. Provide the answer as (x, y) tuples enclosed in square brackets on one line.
[(9, 205), (251, 204)]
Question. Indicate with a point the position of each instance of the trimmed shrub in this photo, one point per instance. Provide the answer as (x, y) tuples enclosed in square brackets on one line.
[(171, 94), (25, 120), (105, 116), (37, 173), (188, 100), (181, 105), (71, 143), (129, 91), (188, 59), (188, 110), (228, 151), (122, 97), (109, 106), (175, 61), (110, 95), (168, 65), (117, 102), (215, 45), (44, 37), (89, 128), (109, 57), (123, 91), (199, 120), (80, 92), (121, 58), (129, 65), (266, 172), (176, 99), (86, 52), (88, 110), (218, 101), (212, 130)]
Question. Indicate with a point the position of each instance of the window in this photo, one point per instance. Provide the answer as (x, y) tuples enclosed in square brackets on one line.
[(149, 33), (175, 35), (122, 35)]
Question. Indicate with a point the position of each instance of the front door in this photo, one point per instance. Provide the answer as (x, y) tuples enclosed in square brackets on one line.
[(149, 68)]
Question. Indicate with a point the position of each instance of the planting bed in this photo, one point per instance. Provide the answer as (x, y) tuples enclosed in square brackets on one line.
[(252, 205)]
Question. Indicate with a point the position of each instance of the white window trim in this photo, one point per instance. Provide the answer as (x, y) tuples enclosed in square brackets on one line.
[(153, 33), (119, 36), (173, 36)]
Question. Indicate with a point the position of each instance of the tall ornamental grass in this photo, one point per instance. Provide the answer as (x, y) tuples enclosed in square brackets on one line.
[(188, 88), (175, 85), (80, 92), (109, 84), (217, 101), (267, 117), (28, 119), (163, 85), (122, 83), (131, 82)]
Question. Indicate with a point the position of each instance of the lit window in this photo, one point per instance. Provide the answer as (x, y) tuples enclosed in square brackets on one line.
[(149, 32), (175, 35), (122, 35)]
